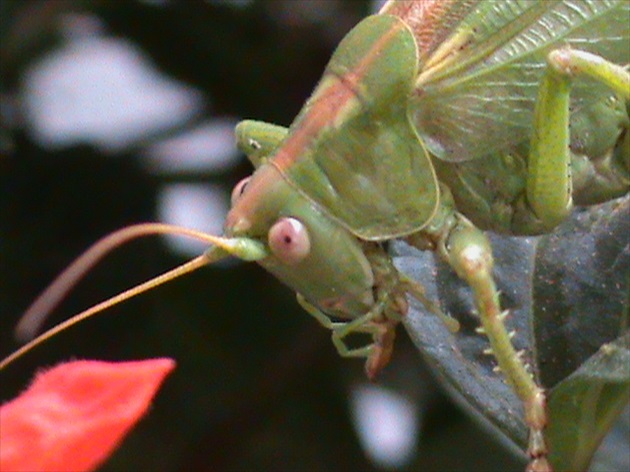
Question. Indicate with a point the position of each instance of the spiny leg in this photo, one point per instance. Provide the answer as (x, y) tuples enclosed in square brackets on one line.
[(549, 183), (548, 194), (417, 291), (468, 251)]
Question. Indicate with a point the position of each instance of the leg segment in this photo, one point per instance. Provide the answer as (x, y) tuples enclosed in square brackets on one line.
[(382, 330), (416, 290), (468, 251), (549, 178)]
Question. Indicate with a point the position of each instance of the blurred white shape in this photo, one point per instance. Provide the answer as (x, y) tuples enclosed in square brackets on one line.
[(102, 91), (387, 425), (208, 147), (198, 206)]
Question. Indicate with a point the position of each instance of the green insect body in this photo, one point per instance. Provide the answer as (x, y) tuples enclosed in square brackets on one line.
[(433, 122), (371, 157), (491, 190)]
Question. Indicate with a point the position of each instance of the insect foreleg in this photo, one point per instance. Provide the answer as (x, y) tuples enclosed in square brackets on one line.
[(319, 315), (417, 291), (381, 328), (549, 179)]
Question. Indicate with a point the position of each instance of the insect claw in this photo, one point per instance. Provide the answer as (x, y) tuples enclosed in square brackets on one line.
[(480, 330), (488, 351), (511, 334), (496, 369), (504, 314)]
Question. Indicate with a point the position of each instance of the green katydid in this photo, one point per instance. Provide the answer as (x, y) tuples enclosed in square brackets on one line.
[(433, 121)]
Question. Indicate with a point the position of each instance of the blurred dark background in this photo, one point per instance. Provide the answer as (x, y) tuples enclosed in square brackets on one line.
[(120, 112)]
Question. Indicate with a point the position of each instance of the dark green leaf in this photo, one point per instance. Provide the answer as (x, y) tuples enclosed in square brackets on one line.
[(584, 406), (581, 288)]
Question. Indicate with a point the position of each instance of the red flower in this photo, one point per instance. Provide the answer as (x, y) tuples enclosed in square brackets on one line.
[(74, 415)]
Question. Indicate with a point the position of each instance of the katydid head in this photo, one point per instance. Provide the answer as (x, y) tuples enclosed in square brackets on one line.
[(307, 250), (271, 222)]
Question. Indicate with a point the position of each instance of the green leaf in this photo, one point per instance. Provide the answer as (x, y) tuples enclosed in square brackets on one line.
[(585, 405)]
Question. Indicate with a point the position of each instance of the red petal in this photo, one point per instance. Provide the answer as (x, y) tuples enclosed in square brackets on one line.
[(74, 415)]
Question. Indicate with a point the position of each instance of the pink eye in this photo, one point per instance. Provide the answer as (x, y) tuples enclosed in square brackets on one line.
[(238, 190), (289, 241)]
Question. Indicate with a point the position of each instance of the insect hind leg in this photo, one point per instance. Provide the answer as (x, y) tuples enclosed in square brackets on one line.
[(549, 180)]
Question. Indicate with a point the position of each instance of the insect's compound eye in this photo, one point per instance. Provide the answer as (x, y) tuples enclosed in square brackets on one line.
[(239, 189), (289, 240)]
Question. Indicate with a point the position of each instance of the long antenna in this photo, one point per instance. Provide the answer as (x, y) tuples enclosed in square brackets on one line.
[(36, 314), (127, 294)]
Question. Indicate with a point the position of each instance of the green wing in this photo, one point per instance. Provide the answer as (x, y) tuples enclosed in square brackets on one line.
[(483, 61), (352, 149)]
